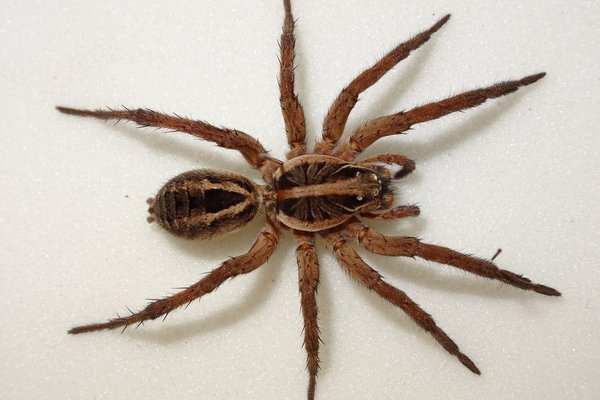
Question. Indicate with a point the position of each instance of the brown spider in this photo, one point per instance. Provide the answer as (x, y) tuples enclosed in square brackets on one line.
[(325, 192)]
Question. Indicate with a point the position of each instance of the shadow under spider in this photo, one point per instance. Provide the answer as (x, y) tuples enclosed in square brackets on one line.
[(246, 306), (388, 99), (477, 122), (179, 147)]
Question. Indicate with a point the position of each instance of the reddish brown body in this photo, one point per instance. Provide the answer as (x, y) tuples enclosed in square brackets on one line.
[(317, 192), (205, 203), (326, 194)]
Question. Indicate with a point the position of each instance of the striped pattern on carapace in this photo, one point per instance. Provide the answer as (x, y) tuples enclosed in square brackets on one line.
[(316, 192)]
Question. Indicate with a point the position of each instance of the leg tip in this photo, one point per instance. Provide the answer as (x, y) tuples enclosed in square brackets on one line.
[(466, 361), (76, 330), (528, 80), (71, 111), (547, 290), (93, 327), (62, 109), (440, 23)]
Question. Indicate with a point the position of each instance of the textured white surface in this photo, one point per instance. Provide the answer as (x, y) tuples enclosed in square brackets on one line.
[(521, 174)]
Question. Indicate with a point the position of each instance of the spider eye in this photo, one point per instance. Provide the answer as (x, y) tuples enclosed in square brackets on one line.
[(351, 204), (350, 171)]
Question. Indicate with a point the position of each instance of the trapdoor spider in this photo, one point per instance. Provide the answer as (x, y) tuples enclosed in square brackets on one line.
[(325, 193)]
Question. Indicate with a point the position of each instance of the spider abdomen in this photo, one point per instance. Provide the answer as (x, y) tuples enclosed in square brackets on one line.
[(316, 192), (205, 203)]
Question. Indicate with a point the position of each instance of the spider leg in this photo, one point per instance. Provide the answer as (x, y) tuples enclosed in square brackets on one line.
[(402, 121), (413, 247), (308, 279), (251, 149), (406, 164), (293, 115), (395, 213), (363, 273), (258, 254), (335, 121)]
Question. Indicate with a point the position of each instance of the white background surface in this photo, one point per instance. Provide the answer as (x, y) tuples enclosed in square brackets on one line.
[(521, 174)]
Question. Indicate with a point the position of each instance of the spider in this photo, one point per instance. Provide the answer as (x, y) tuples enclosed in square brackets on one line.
[(326, 193)]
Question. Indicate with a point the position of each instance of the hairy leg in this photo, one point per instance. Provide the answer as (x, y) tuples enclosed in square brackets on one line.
[(233, 139), (406, 164), (395, 213), (413, 247), (363, 273), (402, 121), (335, 121), (293, 115), (261, 250), (308, 278)]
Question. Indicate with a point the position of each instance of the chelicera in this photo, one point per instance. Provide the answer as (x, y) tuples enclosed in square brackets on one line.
[(328, 193)]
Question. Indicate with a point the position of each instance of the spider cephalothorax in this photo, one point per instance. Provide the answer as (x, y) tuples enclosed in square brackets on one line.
[(316, 192), (326, 193)]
